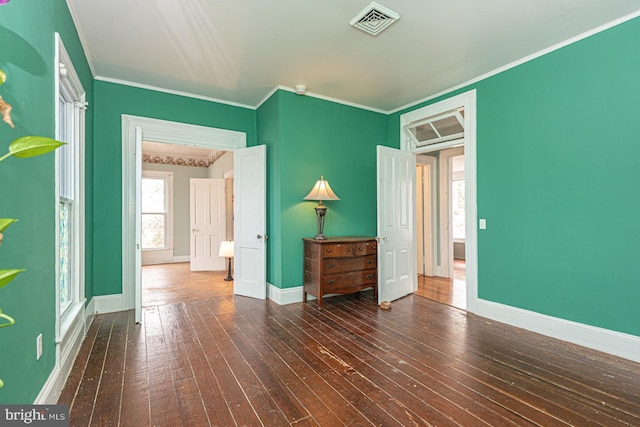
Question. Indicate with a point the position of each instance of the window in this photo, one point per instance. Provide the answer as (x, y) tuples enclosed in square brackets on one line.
[(448, 126), (70, 128), (157, 215)]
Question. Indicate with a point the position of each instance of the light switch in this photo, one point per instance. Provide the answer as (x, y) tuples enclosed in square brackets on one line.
[(483, 224)]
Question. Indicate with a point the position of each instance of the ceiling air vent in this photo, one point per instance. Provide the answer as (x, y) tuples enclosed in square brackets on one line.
[(374, 19)]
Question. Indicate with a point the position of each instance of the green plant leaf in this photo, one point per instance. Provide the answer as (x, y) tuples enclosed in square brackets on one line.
[(7, 276), (7, 320), (5, 223), (3, 77), (31, 146), (1, 383)]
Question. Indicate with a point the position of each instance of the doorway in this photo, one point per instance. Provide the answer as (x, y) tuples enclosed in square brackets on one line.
[(440, 226), (171, 271), (428, 131), (250, 191)]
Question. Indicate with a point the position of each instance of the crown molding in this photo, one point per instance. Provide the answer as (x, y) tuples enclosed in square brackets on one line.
[(172, 92)]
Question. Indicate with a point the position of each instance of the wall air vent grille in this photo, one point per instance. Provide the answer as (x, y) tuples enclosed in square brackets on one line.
[(374, 19)]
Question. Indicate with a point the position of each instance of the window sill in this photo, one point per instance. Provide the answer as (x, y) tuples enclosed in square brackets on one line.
[(69, 319)]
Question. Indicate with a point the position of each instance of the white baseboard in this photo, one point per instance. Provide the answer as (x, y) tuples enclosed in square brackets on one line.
[(284, 296), (89, 313), (66, 353), (290, 295), (612, 342), (106, 304), (182, 258)]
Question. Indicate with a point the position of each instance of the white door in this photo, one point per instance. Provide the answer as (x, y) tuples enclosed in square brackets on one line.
[(207, 215), (138, 225), (396, 190), (250, 222)]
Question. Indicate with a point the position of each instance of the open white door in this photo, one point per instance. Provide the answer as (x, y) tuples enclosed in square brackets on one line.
[(138, 225), (250, 222), (396, 190), (207, 215)]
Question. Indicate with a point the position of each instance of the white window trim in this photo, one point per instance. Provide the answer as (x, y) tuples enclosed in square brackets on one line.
[(73, 317), (164, 254)]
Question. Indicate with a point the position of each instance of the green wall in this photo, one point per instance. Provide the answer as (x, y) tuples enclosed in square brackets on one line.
[(557, 165), (27, 56), (112, 101), (268, 126), (557, 180), (321, 137)]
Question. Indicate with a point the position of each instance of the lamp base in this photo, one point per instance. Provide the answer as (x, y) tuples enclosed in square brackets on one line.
[(229, 277), (320, 211)]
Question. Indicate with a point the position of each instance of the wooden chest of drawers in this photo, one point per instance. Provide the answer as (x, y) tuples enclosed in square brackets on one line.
[(340, 265)]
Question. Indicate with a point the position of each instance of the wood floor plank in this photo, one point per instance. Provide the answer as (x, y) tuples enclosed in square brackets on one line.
[(417, 409), (225, 360), (135, 408), (261, 400), (82, 410), (337, 372), (337, 404), (439, 390), (73, 382), (433, 350), (416, 363), (110, 389), (161, 362), (237, 402), (288, 372)]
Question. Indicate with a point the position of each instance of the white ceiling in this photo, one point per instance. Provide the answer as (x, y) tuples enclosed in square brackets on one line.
[(239, 50)]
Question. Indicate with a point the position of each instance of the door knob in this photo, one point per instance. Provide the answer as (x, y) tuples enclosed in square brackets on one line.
[(259, 236), (195, 230)]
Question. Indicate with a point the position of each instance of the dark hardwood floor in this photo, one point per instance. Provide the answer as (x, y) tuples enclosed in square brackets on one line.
[(235, 361), (450, 291), (173, 283)]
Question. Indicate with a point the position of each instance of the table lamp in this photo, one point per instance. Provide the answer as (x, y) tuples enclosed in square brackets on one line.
[(321, 191), (226, 250)]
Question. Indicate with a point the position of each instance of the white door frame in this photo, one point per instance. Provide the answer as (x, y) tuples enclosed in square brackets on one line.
[(445, 245), (466, 100), (429, 204), (170, 133)]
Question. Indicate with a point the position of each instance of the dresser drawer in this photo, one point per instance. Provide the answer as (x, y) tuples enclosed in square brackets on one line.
[(366, 248), (337, 250), (339, 265), (347, 282)]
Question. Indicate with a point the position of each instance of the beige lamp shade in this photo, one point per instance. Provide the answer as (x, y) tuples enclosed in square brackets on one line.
[(226, 249), (321, 191)]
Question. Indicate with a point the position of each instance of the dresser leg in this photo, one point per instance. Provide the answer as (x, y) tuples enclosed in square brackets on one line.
[(320, 301), (304, 297)]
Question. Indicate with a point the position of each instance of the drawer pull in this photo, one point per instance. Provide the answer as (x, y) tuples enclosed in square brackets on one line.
[(330, 282), (370, 262), (348, 249), (360, 248), (369, 276), (331, 266), (328, 251)]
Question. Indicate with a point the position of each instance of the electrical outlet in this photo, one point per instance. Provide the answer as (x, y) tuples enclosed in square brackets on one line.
[(483, 224), (39, 347)]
